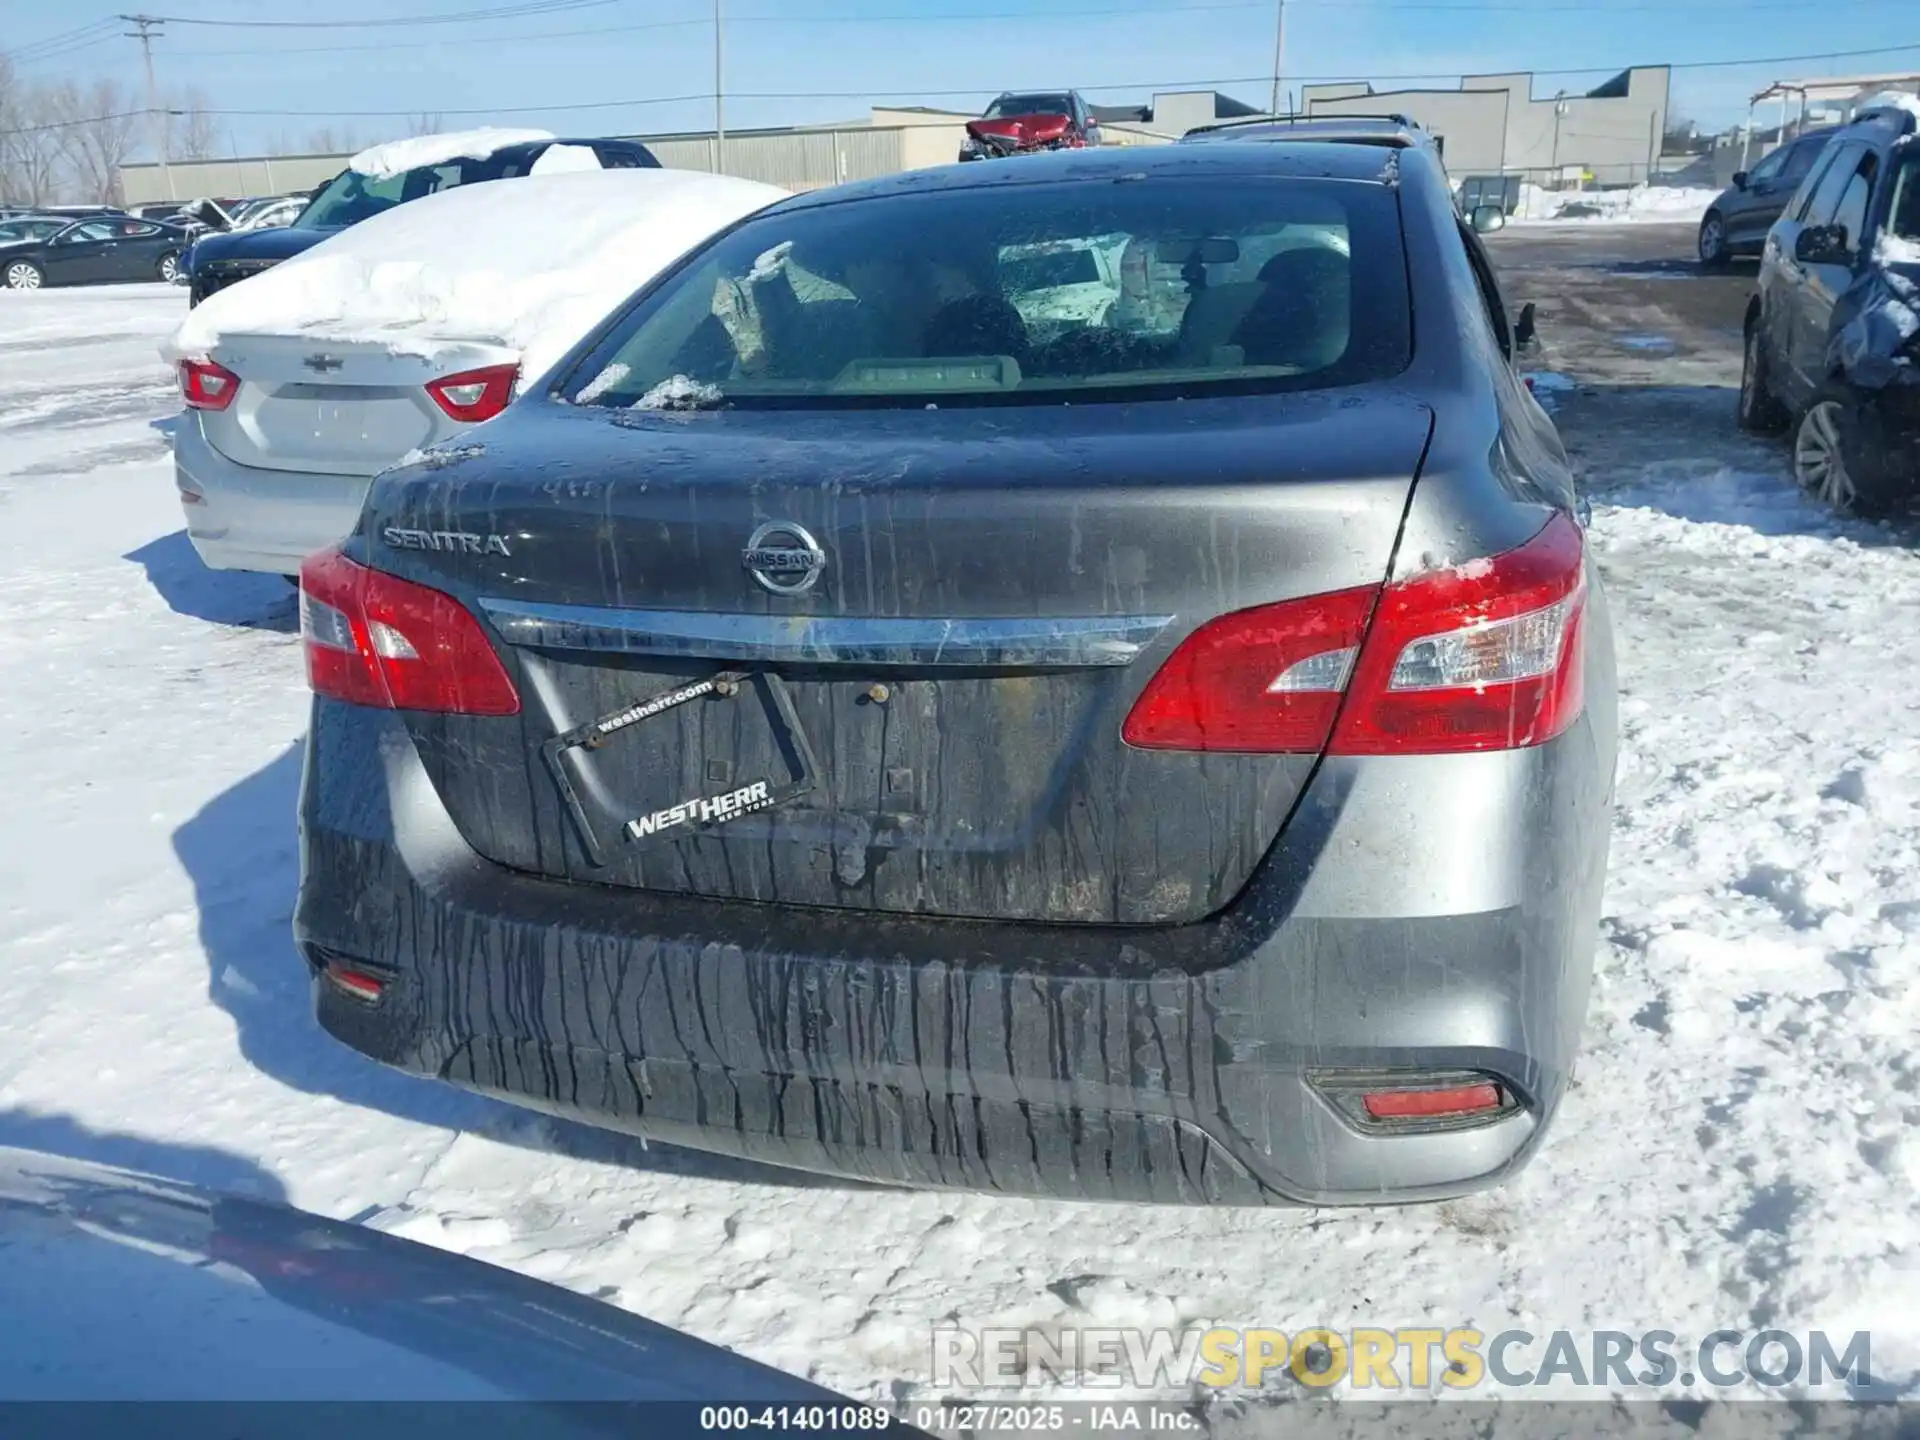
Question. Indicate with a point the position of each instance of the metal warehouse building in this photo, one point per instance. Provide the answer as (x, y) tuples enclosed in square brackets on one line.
[(1492, 124)]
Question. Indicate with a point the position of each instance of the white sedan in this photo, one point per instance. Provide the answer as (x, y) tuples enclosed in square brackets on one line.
[(307, 380)]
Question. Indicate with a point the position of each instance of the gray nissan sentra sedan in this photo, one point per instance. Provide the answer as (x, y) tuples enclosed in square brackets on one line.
[(1082, 678)]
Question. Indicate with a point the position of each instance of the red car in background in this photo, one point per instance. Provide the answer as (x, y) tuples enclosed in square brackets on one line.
[(1023, 124)]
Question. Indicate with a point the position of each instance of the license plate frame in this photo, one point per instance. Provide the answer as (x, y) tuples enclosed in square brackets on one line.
[(702, 813)]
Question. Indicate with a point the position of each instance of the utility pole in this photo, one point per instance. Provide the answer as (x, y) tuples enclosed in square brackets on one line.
[(145, 28), (1279, 47), (1560, 108), (719, 91)]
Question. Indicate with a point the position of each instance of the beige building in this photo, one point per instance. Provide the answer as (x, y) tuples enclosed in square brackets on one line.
[(803, 157), (1495, 124)]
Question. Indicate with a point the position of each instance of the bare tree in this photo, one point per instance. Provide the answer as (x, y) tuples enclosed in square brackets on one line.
[(97, 126), (427, 124), (193, 132), (329, 141)]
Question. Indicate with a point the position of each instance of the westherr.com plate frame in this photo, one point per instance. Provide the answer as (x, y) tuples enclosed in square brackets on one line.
[(700, 813)]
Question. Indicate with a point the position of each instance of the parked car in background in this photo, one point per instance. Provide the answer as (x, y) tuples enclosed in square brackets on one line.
[(1028, 123), (837, 722), (387, 175), (403, 334), (1833, 330), (269, 212), (1737, 222), (128, 1288), (26, 227), (90, 252)]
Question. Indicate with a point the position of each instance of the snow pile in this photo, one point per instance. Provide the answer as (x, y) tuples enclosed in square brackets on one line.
[(531, 264), (396, 156), (1642, 203)]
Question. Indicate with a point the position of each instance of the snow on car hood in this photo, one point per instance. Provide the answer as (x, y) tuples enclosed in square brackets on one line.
[(395, 156), (532, 264)]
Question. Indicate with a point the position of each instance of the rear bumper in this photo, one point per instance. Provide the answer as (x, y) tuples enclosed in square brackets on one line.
[(248, 518), (1178, 1064)]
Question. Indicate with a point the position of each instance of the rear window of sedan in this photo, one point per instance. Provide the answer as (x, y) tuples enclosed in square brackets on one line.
[(1036, 293)]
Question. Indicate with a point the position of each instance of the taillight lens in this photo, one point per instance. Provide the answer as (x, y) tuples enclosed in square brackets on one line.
[(375, 639), (1267, 679), (1485, 656), (207, 386), (475, 395)]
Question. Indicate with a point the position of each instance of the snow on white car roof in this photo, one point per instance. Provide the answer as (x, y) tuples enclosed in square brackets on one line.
[(395, 156), (531, 263)]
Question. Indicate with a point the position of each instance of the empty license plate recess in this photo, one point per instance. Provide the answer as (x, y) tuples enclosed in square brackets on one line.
[(790, 768)]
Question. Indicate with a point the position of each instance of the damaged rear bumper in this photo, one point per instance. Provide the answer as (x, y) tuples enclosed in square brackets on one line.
[(1197, 1064)]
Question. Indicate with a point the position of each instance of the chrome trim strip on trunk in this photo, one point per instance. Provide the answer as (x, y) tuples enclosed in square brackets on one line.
[(828, 639)]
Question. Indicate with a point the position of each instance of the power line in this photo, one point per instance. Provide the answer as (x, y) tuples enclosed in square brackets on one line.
[(451, 17), (62, 44)]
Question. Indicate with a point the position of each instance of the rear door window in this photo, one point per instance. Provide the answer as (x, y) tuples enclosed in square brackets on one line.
[(1031, 292), (1800, 157)]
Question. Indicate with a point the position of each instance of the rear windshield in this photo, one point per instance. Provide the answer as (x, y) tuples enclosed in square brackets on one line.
[(1024, 293), (1010, 105), (351, 197)]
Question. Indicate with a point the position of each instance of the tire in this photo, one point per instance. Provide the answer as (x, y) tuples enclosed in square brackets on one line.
[(169, 267), (1760, 413), (25, 275), (1845, 457), (1711, 245)]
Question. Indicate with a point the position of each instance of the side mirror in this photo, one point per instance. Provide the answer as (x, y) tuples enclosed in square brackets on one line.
[(1523, 329), (1739, 179), (1822, 245), (1485, 219)]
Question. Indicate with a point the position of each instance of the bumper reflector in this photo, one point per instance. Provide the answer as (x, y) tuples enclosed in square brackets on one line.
[(1432, 1104), (1405, 1102), (357, 983)]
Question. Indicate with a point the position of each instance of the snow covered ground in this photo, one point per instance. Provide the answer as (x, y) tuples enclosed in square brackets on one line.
[(1742, 1149), (1641, 204)]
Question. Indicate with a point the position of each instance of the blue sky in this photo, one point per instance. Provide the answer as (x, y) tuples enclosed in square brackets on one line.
[(932, 51)]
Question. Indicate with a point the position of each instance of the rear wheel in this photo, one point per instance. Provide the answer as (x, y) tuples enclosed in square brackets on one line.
[(169, 268), (24, 275), (1713, 241), (1844, 457), (1759, 412)]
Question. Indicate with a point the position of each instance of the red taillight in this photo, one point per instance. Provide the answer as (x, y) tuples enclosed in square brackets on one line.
[(1485, 656), (1431, 1104), (207, 386), (475, 395), (1267, 679), (374, 639)]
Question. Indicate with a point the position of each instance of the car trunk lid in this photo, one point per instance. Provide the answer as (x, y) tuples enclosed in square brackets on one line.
[(881, 659), (332, 406)]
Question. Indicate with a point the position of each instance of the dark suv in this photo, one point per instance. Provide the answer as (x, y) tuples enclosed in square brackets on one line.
[(1738, 220), (217, 261), (1830, 333)]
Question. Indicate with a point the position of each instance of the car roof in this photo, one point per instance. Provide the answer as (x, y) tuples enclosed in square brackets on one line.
[(1372, 129), (1882, 122), (1307, 161)]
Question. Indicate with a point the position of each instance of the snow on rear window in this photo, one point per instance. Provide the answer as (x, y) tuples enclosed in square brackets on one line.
[(382, 161)]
